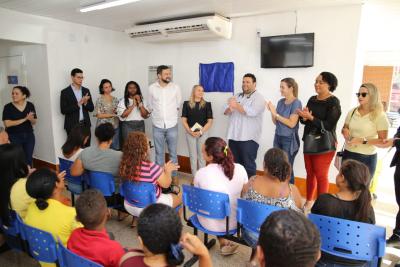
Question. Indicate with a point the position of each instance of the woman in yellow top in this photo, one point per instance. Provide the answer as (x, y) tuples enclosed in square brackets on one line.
[(48, 213), (366, 127), (13, 171)]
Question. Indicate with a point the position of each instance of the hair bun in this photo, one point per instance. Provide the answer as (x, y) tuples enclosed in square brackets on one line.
[(41, 203)]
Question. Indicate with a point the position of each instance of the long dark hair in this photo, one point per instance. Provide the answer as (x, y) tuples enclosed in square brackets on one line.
[(40, 186), (75, 139), (126, 93), (357, 177), (12, 167), (222, 155)]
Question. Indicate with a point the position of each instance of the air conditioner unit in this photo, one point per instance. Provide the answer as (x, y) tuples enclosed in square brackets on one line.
[(187, 29)]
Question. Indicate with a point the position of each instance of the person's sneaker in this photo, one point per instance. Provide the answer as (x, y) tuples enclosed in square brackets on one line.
[(229, 249), (393, 241)]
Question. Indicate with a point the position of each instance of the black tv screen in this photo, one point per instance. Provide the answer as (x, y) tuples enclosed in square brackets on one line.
[(287, 51)]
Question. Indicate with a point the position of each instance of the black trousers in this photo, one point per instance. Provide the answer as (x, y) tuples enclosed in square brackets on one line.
[(396, 230), (245, 153)]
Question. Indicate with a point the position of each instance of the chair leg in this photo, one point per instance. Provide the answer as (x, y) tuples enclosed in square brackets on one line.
[(208, 244), (72, 199)]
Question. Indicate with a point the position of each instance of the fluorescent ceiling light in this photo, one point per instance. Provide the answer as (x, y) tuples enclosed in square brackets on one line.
[(106, 4)]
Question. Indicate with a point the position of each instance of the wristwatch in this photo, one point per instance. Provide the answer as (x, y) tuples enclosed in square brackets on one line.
[(365, 141), (277, 116)]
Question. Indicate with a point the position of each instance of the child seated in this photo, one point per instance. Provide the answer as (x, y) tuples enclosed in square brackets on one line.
[(288, 238), (92, 241), (159, 229)]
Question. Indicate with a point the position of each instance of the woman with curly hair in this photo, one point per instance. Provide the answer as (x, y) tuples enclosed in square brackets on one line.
[(136, 167)]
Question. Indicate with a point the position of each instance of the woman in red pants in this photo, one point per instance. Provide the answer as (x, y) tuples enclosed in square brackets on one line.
[(322, 111)]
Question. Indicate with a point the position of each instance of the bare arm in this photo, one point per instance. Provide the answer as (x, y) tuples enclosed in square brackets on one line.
[(290, 122), (77, 168), (207, 126), (11, 123)]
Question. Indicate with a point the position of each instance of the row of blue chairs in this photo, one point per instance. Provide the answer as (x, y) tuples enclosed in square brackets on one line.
[(344, 238), (40, 245), (138, 194)]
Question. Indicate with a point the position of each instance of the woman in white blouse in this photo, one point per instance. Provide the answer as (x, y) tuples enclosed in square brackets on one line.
[(131, 110)]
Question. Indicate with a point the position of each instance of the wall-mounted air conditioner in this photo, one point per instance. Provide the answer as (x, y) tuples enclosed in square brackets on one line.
[(187, 29)]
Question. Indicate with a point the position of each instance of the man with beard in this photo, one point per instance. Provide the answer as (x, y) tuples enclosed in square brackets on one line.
[(164, 103), (246, 114)]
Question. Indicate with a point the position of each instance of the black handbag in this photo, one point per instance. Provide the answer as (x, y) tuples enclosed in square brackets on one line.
[(319, 141)]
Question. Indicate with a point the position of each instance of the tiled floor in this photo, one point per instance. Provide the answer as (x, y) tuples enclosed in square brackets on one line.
[(385, 209)]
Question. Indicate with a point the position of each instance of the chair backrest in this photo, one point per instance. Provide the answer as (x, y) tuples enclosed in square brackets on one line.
[(69, 259), (139, 194), (206, 203), (251, 215), (102, 181), (65, 165), (42, 245), (12, 232), (350, 239)]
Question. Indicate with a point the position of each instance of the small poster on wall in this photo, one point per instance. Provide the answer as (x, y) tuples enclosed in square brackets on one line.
[(152, 74), (12, 79)]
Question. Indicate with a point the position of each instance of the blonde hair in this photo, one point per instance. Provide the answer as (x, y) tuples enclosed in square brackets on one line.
[(375, 104), (192, 103), (291, 83)]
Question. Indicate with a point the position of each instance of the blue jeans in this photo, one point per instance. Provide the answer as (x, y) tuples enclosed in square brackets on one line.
[(369, 160), (27, 142), (284, 143), (115, 142), (169, 136), (245, 153)]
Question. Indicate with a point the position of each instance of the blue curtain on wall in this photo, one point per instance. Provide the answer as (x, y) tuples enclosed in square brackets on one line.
[(217, 77)]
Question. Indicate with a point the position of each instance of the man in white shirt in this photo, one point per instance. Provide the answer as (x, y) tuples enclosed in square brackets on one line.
[(245, 123), (164, 102)]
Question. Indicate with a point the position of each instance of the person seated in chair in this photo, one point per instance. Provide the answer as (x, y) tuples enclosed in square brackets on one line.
[(92, 241), (101, 157), (137, 167), (352, 202), (161, 238), (272, 188), (48, 212), (76, 141), (288, 238), (224, 176)]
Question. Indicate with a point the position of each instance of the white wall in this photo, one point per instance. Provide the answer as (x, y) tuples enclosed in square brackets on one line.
[(380, 27), (336, 41), (100, 53)]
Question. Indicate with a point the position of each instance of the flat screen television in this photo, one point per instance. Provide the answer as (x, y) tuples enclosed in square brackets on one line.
[(287, 51)]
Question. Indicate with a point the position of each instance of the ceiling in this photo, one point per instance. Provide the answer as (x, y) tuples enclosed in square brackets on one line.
[(122, 17)]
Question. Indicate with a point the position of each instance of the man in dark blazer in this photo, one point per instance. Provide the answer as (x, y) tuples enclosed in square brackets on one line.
[(394, 240), (76, 103)]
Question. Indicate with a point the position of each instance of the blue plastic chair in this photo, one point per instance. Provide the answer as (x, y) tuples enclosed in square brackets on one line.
[(209, 204), (139, 194), (102, 181), (350, 239), (41, 244), (69, 259), (12, 233), (76, 184), (251, 215)]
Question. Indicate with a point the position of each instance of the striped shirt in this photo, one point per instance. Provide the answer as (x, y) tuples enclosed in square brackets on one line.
[(149, 173)]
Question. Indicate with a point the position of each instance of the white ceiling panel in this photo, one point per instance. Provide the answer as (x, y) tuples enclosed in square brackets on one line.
[(122, 17)]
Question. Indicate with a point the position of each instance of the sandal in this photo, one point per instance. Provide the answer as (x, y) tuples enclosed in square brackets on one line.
[(228, 249)]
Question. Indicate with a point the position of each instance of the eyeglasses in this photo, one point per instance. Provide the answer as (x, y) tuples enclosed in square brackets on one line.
[(361, 94)]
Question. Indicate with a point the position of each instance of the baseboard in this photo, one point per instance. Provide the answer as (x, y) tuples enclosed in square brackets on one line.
[(184, 163), (38, 163)]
